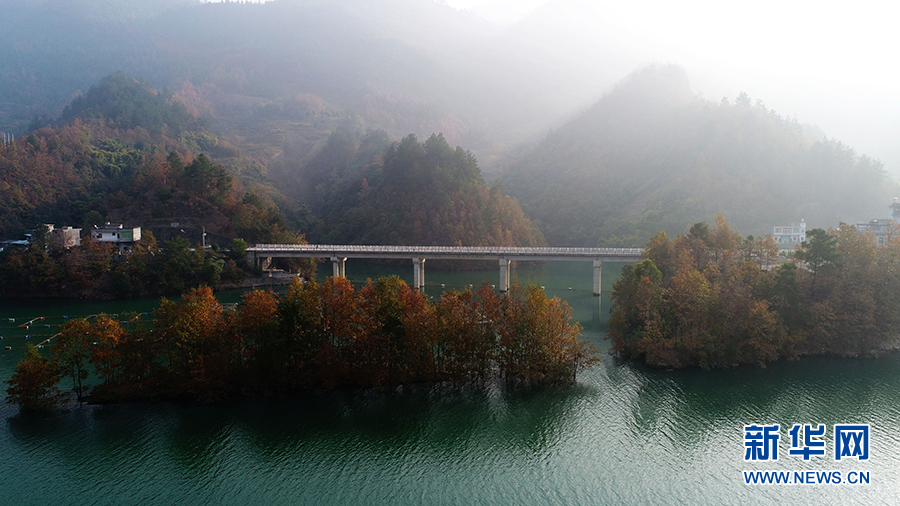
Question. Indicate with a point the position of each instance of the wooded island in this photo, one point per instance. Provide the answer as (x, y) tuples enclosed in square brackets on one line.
[(317, 336), (711, 298)]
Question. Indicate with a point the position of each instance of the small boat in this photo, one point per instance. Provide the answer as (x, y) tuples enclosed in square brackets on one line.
[(9, 347)]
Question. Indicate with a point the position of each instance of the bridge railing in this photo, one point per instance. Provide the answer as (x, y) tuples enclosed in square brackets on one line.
[(486, 250)]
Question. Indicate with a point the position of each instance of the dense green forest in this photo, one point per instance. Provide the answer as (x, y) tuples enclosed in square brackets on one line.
[(317, 336), (366, 190), (97, 270), (711, 298), (653, 156)]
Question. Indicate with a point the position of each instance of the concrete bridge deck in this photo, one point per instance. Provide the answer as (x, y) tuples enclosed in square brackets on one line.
[(340, 253)]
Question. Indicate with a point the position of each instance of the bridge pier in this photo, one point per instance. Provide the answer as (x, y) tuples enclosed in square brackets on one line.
[(419, 273), (598, 265), (339, 265), (504, 275)]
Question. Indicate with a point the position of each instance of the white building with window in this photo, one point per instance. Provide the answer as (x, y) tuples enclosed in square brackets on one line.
[(788, 237), (123, 237)]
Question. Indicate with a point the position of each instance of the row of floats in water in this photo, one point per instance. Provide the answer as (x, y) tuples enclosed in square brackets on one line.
[(27, 325)]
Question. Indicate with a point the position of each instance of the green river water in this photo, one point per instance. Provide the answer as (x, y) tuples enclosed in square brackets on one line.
[(624, 434)]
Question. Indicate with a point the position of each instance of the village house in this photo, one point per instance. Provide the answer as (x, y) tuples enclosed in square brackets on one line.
[(124, 238), (884, 228), (788, 237)]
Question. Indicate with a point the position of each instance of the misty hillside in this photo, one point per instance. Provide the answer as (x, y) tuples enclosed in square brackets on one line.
[(126, 152), (270, 92), (366, 190), (653, 156), (290, 71)]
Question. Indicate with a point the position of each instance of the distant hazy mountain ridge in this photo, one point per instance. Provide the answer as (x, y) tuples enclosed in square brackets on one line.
[(652, 156)]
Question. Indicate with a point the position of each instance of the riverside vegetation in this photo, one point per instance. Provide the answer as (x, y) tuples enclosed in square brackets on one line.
[(711, 298), (317, 336)]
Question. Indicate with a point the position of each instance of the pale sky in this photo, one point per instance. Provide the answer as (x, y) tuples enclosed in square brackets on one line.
[(502, 12), (830, 64)]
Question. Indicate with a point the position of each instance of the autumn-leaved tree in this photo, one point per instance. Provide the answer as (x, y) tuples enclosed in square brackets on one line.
[(33, 384), (73, 353), (105, 353), (537, 339), (190, 333)]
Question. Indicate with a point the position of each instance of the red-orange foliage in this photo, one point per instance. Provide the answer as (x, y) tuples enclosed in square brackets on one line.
[(328, 335), (105, 353)]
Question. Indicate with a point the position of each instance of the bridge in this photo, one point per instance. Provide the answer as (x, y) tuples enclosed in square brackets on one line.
[(262, 254)]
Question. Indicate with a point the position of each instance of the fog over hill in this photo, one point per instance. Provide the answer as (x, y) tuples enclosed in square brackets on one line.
[(826, 66), (651, 155), (408, 66), (276, 79)]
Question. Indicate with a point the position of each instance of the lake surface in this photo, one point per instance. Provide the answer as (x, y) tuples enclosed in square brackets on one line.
[(624, 434)]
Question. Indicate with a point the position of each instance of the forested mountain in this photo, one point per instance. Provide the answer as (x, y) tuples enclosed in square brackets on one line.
[(126, 152), (366, 190), (652, 156)]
